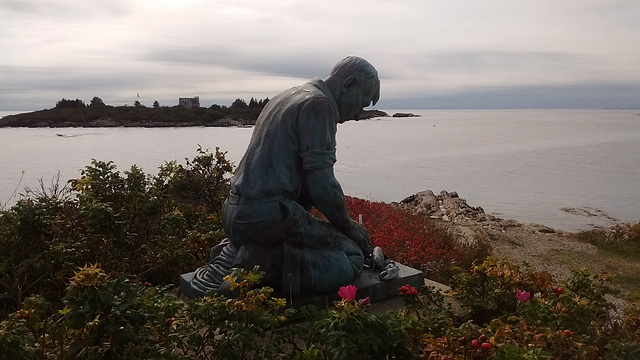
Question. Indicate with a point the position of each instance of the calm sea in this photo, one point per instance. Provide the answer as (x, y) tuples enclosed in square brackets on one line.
[(528, 165)]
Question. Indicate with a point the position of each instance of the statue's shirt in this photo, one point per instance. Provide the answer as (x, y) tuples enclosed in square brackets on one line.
[(295, 133)]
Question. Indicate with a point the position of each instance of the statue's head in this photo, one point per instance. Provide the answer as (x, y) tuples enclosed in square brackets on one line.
[(355, 85)]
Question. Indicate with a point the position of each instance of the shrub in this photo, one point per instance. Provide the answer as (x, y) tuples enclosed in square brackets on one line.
[(489, 288), (109, 317), (150, 227), (379, 336)]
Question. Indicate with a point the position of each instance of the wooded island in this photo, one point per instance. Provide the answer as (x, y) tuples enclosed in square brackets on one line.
[(75, 113)]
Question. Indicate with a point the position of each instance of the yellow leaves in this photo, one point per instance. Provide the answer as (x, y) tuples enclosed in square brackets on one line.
[(89, 276), (492, 262), (492, 341), (243, 280), (82, 184), (280, 302), (95, 322), (232, 282), (64, 311), (255, 276)]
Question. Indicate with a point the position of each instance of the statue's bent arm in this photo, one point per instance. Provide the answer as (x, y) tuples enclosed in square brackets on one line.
[(327, 196)]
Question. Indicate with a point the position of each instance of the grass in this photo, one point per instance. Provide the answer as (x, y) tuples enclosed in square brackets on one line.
[(625, 268), (618, 253), (625, 272)]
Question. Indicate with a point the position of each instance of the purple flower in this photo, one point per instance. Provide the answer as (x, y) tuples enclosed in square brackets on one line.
[(523, 296), (348, 292)]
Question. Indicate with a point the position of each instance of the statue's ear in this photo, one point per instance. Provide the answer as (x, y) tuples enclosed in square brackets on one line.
[(348, 83)]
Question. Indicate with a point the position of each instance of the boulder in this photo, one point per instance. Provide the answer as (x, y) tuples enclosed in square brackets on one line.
[(447, 206)]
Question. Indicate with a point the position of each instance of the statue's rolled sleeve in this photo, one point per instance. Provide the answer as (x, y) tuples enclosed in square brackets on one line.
[(316, 132), (318, 159)]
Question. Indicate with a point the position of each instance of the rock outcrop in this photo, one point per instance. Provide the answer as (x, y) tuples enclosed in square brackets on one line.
[(447, 206), (405, 115), (369, 114), (451, 208)]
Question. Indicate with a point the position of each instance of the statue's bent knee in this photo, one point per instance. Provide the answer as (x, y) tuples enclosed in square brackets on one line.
[(319, 270)]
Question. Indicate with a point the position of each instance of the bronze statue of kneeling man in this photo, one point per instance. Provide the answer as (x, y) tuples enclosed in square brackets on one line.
[(286, 170)]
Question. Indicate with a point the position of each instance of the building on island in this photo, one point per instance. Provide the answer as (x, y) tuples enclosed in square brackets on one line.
[(189, 102)]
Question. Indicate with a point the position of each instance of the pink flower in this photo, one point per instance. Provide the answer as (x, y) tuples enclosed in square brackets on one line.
[(364, 301), (348, 292), (523, 295)]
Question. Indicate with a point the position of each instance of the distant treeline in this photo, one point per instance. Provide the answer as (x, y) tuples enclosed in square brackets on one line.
[(97, 102), (75, 113)]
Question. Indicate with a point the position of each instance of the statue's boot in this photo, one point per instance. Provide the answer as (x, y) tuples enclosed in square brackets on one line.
[(222, 258)]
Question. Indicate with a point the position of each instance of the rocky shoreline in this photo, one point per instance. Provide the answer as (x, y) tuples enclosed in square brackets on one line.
[(450, 207), (147, 117), (39, 122), (538, 245)]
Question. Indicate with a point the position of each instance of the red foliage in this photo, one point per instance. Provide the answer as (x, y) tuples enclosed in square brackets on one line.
[(405, 237)]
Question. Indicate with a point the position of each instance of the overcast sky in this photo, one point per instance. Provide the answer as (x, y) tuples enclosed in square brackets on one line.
[(429, 54)]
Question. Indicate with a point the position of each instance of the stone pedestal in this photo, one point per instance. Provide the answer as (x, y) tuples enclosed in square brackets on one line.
[(185, 286), (369, 285)]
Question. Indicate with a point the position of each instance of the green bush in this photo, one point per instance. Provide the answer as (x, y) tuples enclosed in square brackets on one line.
[(148, 227), (488, 288), (349, 331)]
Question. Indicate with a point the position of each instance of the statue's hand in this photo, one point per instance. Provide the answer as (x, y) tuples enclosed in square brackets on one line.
[(356, 232)]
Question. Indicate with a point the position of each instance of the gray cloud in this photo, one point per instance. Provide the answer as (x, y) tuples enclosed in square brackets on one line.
[(288, 63), (65, 7), (534, 97), (427, 53)]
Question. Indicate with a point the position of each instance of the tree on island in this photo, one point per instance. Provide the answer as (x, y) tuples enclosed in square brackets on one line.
[(64, 103), (257, 104), (253, 103), (96, 102), (239, 104)]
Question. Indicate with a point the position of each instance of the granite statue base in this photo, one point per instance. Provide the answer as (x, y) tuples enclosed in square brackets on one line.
[(369, 285)]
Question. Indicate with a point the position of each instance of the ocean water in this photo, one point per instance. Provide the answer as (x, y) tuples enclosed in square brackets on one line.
[(528, 165)]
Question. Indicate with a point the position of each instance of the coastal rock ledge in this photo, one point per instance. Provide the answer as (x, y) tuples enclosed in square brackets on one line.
[(447, 206), (450, 207)]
